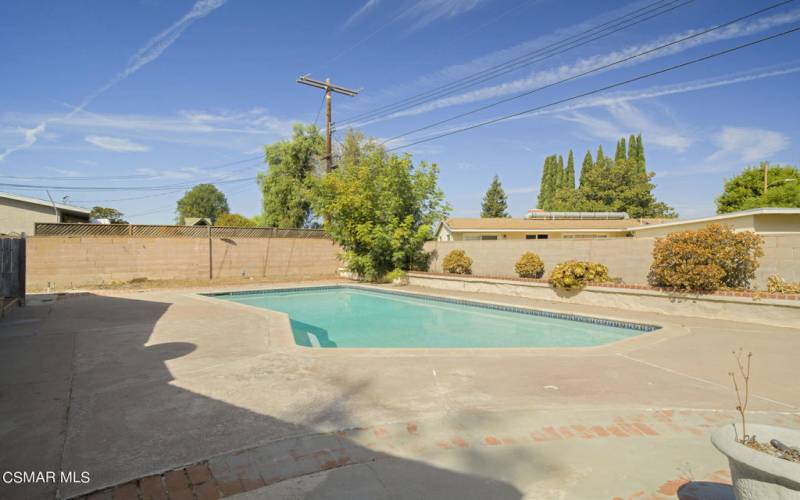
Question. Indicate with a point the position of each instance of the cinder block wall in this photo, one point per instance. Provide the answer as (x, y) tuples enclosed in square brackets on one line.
[(67, 262), (626, 258)]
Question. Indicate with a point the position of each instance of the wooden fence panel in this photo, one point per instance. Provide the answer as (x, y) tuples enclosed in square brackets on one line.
[(12, 268)]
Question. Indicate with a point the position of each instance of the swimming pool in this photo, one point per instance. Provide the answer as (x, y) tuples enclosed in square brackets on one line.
[(345, 316)]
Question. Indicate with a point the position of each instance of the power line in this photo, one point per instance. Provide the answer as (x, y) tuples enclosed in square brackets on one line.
[(165, 208), (588, 72), (520, 61), (124, 177), (109, 188), (599, 90), (566, 44), (165, 193)]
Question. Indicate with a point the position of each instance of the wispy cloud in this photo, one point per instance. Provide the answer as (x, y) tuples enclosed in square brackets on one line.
[(147, 54), (30, 137), (746, 145), (421, 13), (636, 121), (362, 11), (614, 98), (116, 144), (242, 130), (735, 147)]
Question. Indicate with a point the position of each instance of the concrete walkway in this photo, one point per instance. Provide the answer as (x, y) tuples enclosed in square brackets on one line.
[(192, 395)]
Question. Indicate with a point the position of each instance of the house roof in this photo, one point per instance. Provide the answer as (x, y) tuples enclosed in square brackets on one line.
[(462, 224), (46, 203), (465, 224), (723, 217)]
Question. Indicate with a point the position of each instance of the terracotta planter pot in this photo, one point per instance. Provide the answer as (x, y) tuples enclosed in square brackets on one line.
[(757, 475)]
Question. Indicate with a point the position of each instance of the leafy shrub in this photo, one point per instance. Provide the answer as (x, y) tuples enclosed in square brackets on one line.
[(776, 284), (529, 266), (457, 262), (397, 274), (574, 274), (705, 260)]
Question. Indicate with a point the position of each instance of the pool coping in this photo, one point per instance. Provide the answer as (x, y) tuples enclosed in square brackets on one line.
[(279, 333)]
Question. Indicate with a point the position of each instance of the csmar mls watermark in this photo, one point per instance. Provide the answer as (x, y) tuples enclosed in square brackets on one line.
[(45, 476)]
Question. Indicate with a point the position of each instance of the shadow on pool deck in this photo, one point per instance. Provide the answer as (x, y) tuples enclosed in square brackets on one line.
[(81, 391)]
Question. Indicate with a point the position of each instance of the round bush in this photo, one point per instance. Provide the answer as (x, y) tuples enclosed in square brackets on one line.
[(573, 274), (705, 260), (529, 266), (457, 262)]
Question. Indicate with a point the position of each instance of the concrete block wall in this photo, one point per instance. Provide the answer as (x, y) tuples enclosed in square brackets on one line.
[(781, 256), (626, 258), (64, 262)]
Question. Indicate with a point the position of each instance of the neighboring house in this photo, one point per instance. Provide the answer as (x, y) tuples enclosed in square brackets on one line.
[(19, 214), (766, 221), (541, 226), (552, 225)]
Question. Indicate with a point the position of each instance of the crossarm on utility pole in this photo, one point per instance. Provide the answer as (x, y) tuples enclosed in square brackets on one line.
[(328, 87)]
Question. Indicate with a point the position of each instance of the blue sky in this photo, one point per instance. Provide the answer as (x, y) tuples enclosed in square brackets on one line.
[(156, 93)]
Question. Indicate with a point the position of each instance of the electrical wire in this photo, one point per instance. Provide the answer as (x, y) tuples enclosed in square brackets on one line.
[(591, 71), (37, 187), (602, 89), (122, 177), (165, 208), (165, 193), (538, 55)]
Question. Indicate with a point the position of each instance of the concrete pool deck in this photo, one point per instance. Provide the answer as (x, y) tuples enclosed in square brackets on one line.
[(182, 394)]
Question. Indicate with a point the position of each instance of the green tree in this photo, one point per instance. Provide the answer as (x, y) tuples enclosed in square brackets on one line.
[(746, 190), (560, 174), (610, 185), (234, 220), (285, 196), (112, 214), (621, 153), (587, 165), (569, 176), (640, 161), (600, 159), (619, 187), (495, 201), (203, 200), (545, 186), (633, 148), (381, 208)]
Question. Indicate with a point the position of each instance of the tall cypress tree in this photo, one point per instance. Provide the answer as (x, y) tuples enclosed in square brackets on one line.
[(562, 174), (544, 185), (587, 165), (495, 202), (569, 176), (640, 155), (600, 161), (621, 152), (633, 148)]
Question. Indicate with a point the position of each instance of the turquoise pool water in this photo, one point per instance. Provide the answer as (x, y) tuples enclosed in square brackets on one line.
[(330, 317)]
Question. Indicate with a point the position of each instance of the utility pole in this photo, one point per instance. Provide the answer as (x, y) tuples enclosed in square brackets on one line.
[(328, 87), (766, 170)]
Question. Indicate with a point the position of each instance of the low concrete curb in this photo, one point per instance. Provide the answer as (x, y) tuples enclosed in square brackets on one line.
[(775, 312)]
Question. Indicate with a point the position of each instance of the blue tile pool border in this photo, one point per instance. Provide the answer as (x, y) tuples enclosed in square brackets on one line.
[(641, 327)]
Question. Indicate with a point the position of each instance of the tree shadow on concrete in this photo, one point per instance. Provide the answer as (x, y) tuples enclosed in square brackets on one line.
[(81, 389), (706, 490)]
